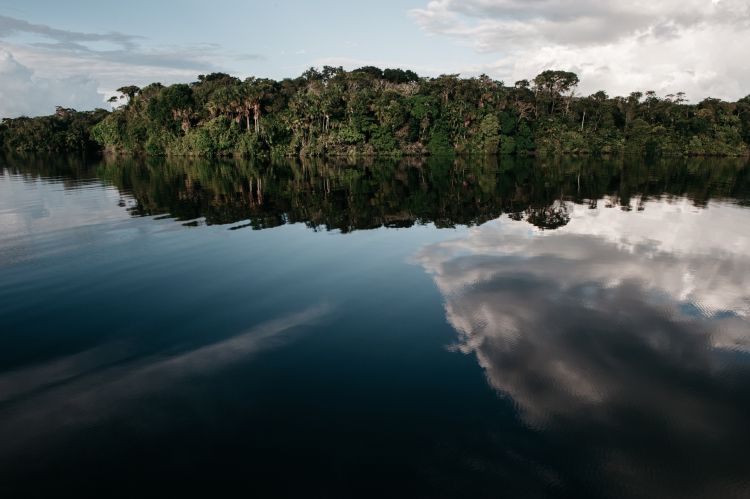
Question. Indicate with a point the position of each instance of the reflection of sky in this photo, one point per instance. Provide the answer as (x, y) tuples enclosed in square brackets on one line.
[(624, 333), (32, 211), (91, 386), (101, 310), (623, 326), (35, 206), (694, 255)]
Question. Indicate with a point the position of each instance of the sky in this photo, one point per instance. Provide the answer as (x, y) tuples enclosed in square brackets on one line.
[(76, 53)]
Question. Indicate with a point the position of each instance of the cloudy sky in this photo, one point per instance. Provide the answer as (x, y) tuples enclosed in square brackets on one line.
[(75, 53)]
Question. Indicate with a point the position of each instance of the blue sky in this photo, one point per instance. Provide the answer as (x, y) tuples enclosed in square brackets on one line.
[(287, 36), (76, 52), (274, 39)]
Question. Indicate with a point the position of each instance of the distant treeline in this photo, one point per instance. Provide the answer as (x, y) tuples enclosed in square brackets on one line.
[(392, 112)]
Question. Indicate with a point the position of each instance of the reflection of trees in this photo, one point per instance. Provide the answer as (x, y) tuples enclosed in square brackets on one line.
[(354, 195), (549, 217)]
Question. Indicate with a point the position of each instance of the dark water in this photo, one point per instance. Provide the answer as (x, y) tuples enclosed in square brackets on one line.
[(572, 328)]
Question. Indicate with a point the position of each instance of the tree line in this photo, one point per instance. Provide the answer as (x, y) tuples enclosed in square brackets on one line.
[(388, 113)]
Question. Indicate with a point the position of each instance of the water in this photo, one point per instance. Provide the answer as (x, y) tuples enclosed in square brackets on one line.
[(573, 328)]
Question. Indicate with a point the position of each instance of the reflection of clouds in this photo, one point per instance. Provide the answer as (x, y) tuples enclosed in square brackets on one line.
[(84, 388), (674, 226), (694, 256), (616, 327), (39, 213), (37, 206)]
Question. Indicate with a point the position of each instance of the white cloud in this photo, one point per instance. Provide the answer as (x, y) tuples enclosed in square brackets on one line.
[(24, 93), (68, 64), (694, 45)]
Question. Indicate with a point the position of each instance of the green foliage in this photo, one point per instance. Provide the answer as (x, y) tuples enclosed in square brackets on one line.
[(524, 139), (508, 123), (384, 142), (388, 112), (439, 143), (66, 130), (489, 131), (108, 130), (348, 134), (507, 145)]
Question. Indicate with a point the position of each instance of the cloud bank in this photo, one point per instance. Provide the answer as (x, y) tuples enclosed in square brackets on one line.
[(22, 93), (43, 66), (694, 46)]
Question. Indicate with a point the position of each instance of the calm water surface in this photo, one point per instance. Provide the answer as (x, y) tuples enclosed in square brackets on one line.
[(572, 328)]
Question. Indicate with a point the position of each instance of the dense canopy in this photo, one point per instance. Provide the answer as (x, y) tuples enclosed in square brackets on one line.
[(391, 112)]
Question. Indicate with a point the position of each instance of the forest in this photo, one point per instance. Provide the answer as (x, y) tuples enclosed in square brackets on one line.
[(369, 111)]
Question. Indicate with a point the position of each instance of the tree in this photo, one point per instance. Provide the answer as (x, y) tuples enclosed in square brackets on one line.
[(553, 85), (180, 101), (370, 70), (129, 91)]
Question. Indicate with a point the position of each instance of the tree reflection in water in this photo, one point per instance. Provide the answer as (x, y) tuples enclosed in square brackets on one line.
[(366, 194)]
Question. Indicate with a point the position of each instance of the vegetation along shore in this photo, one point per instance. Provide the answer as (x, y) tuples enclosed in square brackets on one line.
[(389, 113)]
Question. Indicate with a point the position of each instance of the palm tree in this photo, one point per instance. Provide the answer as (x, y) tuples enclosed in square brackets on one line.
[(254, 91)]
